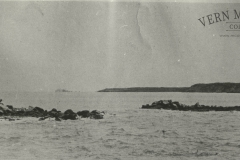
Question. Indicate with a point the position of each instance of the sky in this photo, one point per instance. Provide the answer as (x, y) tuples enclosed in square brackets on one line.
[(88, 46)]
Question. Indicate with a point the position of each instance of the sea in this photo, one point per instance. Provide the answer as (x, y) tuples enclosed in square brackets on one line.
[(127, 132)]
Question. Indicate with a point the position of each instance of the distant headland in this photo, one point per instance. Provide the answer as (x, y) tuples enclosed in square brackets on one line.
[(207, 88), (61, 90)]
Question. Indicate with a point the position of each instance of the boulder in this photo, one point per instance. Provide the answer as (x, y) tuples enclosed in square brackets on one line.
[(60, 114), (176, 103), (33, 113), (147, 106), (69, 111), (3, 107), (83, 114), (53, 110), (9, 107), (156, 103), (174, 106), (38, 109), (54, 113), (5, 110), (197, 105), (95, 112), (30, 108), (18, 113), (69, 114), (1, 102), (165, 102), (96, 115)]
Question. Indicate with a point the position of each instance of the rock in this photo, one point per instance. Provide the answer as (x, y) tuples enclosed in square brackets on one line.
[(177, 103), (35, 112), (1, 113), (38, 109), (30, 108), (174, 106), (54, 110), (54, 113), (42, 118), (69, 111), (95, 112), (96, 115), (69, 114), (2, 107), (147, 106), (19, 113), (60, 114), (83, 114), (156, 103), (197, 105), (20, 109), (169, 105), (1, 102), (9, 107), (45, 113), (165, 102), (7, 112), (57, 119)]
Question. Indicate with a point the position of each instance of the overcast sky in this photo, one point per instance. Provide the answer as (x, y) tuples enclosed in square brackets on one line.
[(88, 46)]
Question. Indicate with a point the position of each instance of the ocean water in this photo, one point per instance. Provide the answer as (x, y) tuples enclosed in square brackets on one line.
[(126, 132)]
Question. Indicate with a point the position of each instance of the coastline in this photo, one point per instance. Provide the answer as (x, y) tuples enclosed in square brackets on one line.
[(226, 87)]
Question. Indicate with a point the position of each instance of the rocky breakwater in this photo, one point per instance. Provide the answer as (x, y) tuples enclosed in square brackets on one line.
[(174, 105), (11, 113)]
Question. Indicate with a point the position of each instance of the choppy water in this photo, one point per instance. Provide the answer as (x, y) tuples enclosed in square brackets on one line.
[(126, 132)]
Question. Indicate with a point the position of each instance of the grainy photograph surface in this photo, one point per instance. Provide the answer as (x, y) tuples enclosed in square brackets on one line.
[(120, 80)]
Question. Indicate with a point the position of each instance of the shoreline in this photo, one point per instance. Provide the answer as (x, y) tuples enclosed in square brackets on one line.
[(226, 87)]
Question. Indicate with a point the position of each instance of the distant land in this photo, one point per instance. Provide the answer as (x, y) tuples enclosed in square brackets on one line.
[(62, 90), (208, 88)]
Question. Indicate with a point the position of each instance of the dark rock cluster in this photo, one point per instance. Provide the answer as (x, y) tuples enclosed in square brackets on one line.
[(170, 105), (42, 114)]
